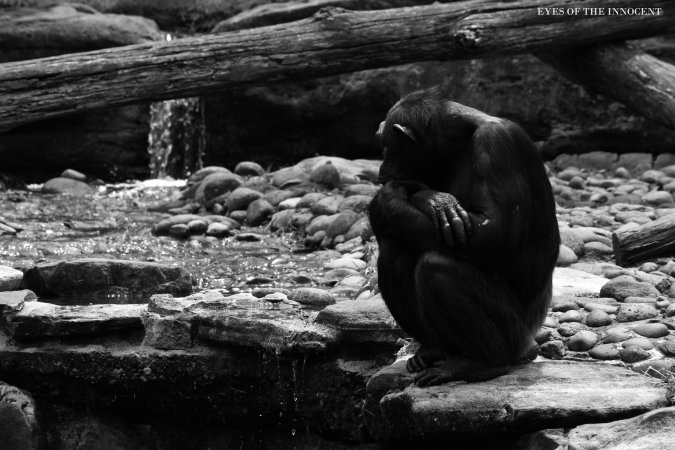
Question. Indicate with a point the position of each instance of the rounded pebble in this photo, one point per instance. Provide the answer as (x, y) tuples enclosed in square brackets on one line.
[(604, 352), (608, 309), (570, 316), (641, 342), (566, 256), (582, 341), (651, 330), (552, 350), (667, 347), (312, 296), (219, 230), (670, 310), (543, 335), (631, 312), (564, 306), (598, 318), (197, 226), (179, 231), (633, 354), (571, 328), (348, 263), (551, 322), (616, 337)]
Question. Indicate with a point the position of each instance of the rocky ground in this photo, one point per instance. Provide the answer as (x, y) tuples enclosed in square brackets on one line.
[(321, 354)]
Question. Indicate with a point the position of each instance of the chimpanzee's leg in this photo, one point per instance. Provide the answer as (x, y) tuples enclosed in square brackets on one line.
[(469, 315), (396, 279)]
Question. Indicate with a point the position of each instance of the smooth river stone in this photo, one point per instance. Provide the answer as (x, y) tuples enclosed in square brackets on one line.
[(633, 354), (608, 309), (631, 312), (563, 305), (667, 347), (604, 352), (651, 330), (570, 316), (641, 342), (582, 341), (349, 263), (614, 336), (598, 318)]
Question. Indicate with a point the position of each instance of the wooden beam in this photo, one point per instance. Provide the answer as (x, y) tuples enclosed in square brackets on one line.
[(332, 41), (627, 74), (646, 241)]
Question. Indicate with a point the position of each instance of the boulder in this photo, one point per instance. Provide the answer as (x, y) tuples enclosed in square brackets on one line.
[(38, 319), (101, 276), (62, 185), (547, 394), (362, 320), (18, 422), (10, 278)]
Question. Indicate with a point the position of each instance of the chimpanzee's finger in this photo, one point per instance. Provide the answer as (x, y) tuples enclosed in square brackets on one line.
[(437, 220), (457, 226), (448, 237), (468, 226)]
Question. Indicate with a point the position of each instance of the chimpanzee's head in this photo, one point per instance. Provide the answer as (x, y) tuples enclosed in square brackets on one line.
[(421, 131)]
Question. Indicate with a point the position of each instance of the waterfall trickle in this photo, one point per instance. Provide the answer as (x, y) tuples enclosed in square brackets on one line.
[(176, 140)]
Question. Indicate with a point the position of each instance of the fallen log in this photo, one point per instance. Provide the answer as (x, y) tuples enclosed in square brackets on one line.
[(655, 238), (331, 42), (620, 71)]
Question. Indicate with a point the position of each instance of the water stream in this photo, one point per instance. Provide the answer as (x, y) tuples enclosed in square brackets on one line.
[(115, 223)]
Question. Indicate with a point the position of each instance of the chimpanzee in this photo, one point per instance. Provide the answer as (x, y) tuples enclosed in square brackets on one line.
[(468, 237)]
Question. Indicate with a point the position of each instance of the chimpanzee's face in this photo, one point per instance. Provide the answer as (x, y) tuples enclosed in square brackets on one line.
[(400, 155)]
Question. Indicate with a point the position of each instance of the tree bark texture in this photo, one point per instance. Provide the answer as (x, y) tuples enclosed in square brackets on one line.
[(636, 79), (332, 41), (652, 239)]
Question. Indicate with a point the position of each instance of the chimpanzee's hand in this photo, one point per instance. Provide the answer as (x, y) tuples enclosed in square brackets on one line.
[(447, 215)]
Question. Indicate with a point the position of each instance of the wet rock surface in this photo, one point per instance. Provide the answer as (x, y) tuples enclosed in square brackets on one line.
[(19, 428), (646, 431), (250, 288), (106, 276), (532, 396)]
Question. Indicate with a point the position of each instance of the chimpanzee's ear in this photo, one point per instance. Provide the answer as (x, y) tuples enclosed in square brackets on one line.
[(405, 131)]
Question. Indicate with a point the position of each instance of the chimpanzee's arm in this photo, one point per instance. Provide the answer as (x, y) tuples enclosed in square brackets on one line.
[(393, 216)]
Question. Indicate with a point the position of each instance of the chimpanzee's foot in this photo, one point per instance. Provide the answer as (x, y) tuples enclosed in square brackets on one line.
[(455, 369), (424, 358), (532, 352)]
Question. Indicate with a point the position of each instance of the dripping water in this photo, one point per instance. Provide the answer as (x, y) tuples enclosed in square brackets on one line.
[(176, 140)]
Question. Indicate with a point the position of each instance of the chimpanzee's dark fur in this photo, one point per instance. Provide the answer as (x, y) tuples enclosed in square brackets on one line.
[(468, 236)]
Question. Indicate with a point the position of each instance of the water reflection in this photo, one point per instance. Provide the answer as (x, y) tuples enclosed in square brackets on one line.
[(115, 223)]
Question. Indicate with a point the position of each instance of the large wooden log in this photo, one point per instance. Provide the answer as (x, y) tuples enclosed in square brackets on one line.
[(627, 74), (331, 42), (655, 238)]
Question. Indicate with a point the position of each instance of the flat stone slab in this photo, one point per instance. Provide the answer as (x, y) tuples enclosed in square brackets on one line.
[(576, 282), (10, 278), (106, 276), (653, 430), (38, 319), (241, 320), (535, 396), (13, 301), (362, 320)]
